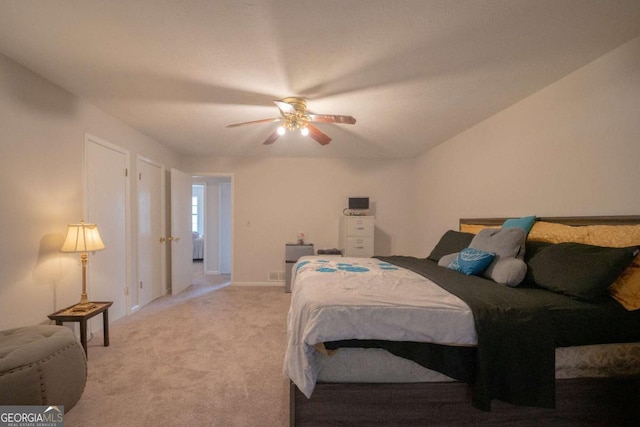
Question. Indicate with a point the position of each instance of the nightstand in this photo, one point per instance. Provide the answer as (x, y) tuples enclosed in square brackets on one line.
[(69, 315), (292, 252)]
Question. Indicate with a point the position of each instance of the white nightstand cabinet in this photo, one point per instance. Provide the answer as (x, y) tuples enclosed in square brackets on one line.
[(356, 236)]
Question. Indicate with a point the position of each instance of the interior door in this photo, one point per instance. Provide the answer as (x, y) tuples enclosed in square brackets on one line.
[(151, 249), (181, 237), (106, 167)]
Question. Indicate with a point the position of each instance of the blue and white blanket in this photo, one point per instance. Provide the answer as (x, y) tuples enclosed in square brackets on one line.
[(335, 298)]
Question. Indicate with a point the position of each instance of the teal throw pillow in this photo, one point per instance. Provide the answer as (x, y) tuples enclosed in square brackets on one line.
[(526, 223), (471, 261)]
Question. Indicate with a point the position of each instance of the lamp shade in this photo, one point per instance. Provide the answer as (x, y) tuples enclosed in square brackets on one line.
[(82, 238)]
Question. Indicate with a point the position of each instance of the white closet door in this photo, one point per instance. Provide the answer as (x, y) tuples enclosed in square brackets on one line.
[(106, 167), (181, 237), (151, 249)]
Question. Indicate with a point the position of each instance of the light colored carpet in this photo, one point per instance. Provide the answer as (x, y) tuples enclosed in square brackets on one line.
[(199, 278), (209, 356)]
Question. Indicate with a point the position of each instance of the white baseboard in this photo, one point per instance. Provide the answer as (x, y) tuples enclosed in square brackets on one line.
[(272, 284)]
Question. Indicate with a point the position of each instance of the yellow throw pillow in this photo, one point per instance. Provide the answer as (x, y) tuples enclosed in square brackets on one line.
[(614, 236), (557, 233), (626, 288)]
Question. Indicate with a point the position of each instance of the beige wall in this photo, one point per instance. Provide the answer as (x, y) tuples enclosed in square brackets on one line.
[(42, 130), (276, 198), (573, 148)]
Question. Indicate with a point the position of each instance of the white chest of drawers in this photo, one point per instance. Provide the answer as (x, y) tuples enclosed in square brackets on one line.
[(356, 236)]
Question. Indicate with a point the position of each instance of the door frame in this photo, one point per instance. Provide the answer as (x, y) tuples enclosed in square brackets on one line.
[(203, 209), (230, 229), (231, 176)]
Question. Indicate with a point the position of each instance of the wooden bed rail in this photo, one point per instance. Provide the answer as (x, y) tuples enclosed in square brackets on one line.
[(566, 220)]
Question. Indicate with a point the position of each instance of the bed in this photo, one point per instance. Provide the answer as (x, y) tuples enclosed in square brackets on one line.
[(198, 247), (578, 358)]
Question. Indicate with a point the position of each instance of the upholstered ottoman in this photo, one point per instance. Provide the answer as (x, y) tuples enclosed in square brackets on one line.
[(41, 365)]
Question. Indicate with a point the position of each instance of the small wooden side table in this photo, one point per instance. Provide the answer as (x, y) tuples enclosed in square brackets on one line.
[(69, 315)]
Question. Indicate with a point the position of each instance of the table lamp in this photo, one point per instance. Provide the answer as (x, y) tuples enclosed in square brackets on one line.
[(83, 238)]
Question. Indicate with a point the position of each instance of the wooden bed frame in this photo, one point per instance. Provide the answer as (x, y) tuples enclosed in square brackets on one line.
[(580, 401)]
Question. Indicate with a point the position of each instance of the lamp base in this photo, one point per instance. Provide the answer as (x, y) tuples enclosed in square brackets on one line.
[(84, 304), (80, 307)]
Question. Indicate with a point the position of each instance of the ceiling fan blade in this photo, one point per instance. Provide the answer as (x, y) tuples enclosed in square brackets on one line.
[(285, 107), (318, 135), (254, 122), (332, 118), (272, 138)]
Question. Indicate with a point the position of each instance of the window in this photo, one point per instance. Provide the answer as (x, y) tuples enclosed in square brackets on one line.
[(194, 214), (197, 208)]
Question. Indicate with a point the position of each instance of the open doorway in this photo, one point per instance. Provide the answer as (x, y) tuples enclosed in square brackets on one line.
[(211, 229)]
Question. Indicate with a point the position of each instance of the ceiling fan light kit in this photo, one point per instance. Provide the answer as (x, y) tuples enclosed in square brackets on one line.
[(294, 116)]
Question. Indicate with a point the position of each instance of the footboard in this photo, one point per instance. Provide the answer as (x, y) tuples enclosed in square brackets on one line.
[(581, 401)]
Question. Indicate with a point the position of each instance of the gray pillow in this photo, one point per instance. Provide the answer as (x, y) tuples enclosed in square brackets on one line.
[(507, 271), (445, 260), (506, 243)]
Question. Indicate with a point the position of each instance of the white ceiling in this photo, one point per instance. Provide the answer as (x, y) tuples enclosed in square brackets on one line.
[(414, 73)]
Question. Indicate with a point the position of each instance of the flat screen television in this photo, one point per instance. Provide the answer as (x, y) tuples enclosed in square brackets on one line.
[(358, 203)]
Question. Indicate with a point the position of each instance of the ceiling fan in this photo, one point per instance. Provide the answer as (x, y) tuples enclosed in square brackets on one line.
[(294, 116)]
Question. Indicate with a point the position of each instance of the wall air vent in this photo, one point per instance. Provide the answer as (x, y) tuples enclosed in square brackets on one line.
[(276, 276)]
